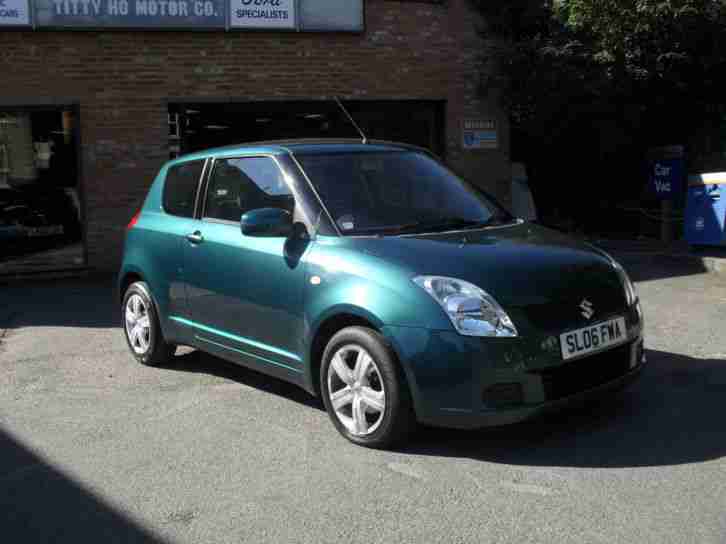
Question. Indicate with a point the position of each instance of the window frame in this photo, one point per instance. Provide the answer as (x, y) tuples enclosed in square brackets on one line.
[(202, 175)]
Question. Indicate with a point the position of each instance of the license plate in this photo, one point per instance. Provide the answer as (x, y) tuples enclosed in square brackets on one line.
[(45, 231), (593, 338)]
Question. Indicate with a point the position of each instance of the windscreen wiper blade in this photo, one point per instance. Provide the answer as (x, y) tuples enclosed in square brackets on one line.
[(385, 228), (497, 220), (443, 224), (450, 223)]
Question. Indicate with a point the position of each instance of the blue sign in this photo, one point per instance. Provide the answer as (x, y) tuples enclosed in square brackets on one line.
[(131, 13), (14, 13), (479, 134), (332, 15), (667, 178)]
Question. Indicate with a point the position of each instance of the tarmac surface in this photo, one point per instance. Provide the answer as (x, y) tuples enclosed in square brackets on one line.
[(97, 448)]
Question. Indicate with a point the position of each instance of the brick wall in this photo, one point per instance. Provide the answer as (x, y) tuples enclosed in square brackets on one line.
[(122, 80)]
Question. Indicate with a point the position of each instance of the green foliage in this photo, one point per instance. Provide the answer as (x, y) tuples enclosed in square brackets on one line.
[(666, 53), (592, 84)]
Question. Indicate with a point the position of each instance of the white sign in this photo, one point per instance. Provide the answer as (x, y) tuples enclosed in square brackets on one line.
[(479, 134), (14, 12), (262, 14)]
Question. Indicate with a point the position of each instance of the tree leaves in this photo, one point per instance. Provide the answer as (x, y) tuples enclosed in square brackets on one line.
[(626, 51)]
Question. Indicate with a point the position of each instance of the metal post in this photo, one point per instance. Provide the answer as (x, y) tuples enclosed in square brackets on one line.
[(666, 226)]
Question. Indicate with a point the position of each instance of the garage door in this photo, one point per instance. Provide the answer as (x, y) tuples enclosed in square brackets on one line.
[(195, 126)]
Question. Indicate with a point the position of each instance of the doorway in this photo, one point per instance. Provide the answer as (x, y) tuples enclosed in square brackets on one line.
[(194, 126), (41, 215)]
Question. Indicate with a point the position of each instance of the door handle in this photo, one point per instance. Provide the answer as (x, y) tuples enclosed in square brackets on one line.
[(195, 237)]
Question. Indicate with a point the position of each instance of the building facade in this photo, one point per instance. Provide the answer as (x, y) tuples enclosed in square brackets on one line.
[(107, 106)]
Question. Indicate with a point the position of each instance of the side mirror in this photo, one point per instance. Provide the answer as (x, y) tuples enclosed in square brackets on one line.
[(267, 222)]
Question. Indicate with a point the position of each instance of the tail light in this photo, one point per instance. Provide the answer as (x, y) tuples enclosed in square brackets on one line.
[(133, 221)]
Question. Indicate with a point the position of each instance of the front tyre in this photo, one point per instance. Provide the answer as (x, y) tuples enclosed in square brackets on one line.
[(141, 327), (364, 389)]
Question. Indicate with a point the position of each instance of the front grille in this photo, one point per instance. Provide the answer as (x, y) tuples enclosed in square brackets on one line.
[(503, 395), (585, 373), (565, 315)]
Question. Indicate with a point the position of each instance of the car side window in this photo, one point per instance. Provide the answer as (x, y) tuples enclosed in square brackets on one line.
[(180, 188), (240, 185)]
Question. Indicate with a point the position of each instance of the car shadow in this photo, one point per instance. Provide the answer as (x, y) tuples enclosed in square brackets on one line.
[(656, 267), (199, 362), (39, 503), (69, 302), (671, 416)]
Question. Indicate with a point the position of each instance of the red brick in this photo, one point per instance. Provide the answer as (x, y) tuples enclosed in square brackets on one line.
[(122, 79)]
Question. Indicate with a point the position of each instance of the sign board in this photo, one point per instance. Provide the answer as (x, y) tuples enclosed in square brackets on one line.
[(332, 15), (202, 14), (263, 14), (667, 177), (14, 13), (315, 15), (479, 134)]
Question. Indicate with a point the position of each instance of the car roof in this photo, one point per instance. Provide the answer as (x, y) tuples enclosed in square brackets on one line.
[(301, 146)]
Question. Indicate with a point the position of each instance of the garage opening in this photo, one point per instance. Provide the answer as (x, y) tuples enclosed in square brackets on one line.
[(194, 126), (40, 199)]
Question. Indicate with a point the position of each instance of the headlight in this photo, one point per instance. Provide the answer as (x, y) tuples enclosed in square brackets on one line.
[(472, 311)]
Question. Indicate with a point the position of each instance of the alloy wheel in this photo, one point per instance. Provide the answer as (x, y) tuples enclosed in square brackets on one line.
[(138, 324), (356, 391)]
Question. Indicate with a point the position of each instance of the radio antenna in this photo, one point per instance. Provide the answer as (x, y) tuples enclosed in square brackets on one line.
[(350, 118)]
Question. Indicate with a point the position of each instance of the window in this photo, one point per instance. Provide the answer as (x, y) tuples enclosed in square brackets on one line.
[(180, 188), (240, 185), (397, 191)]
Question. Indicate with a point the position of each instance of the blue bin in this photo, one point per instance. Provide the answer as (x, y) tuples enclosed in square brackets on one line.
[(706, 210)]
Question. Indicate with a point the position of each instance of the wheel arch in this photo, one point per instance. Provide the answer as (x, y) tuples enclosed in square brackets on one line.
[(133, 275), (326, 329), (332, 323), (128, 278)]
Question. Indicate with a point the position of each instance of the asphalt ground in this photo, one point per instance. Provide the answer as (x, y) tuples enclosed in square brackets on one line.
[(96, 448)]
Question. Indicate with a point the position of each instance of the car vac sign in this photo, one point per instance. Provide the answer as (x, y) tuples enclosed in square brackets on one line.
[(14, 13), (666, 178), (262, 14)]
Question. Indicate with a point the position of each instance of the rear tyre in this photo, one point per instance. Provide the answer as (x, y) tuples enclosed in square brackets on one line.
[(141, 327), (365, 391)]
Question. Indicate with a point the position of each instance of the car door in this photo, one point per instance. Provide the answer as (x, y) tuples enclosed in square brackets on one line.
[(160, 250), (244, 296)]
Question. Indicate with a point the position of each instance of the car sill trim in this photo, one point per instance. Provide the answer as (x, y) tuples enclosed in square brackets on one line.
[(248, 354), (240, 339)]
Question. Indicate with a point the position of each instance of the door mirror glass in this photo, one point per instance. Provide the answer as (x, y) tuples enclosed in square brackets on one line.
[(268, 222)]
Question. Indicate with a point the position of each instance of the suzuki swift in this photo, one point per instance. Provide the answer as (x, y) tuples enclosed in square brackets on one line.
[(372, 276)]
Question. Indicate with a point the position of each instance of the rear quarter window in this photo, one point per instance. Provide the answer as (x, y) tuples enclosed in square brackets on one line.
[(180, 188)]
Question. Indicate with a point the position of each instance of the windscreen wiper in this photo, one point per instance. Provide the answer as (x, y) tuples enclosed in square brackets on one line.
[(385, 229), (446, 223), (496, 220)]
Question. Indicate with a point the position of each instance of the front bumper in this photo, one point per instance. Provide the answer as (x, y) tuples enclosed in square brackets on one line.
[(465, 382)]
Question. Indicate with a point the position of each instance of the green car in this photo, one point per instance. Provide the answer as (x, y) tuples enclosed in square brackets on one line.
[(372, 276)]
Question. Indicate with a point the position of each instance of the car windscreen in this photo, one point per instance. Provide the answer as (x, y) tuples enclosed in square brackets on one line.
[(397, 192)]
